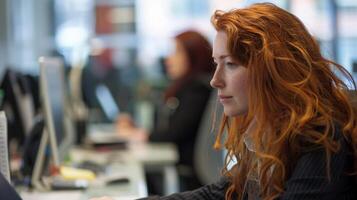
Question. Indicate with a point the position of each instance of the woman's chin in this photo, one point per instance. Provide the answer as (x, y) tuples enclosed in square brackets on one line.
[(234, 112)]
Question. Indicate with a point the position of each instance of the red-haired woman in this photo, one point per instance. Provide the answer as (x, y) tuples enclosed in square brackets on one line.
[(291, 127)]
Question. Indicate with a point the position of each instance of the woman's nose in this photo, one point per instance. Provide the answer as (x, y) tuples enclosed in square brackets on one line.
[(216, 81)]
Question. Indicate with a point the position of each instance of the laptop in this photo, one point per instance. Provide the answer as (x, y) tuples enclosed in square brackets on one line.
[(107, 102), (104, 135)]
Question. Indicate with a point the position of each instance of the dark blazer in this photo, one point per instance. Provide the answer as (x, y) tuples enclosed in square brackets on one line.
[(185, 111), (308, 180)]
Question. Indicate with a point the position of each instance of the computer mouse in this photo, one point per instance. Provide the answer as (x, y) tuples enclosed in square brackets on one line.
[(118, 180)]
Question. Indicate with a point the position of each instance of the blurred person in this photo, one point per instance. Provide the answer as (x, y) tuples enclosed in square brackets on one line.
[(100, 70), (290, 125), (190, 68)]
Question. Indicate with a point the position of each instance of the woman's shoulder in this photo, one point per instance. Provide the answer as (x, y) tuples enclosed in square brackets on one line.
[(323, 175)]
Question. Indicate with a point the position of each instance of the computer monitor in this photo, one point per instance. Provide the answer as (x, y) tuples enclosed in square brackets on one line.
[(56, 132), (16, 101)]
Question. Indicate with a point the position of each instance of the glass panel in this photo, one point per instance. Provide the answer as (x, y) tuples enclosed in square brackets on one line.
[(347, 29)]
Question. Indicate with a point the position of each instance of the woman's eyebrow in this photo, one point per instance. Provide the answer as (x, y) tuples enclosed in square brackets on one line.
[(221, 57)]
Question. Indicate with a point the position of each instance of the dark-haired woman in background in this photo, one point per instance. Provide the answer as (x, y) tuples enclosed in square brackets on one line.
[(190, 68)]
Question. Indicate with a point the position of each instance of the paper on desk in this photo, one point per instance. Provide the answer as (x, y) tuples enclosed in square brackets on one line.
[(53, 195), (71, 173)]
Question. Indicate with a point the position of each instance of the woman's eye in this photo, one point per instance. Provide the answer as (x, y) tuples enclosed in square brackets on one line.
[(230, 64)]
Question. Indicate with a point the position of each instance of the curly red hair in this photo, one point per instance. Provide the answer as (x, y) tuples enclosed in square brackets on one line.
[(294, 95)]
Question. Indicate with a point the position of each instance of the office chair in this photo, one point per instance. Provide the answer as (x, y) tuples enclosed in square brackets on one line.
[(208, 162)]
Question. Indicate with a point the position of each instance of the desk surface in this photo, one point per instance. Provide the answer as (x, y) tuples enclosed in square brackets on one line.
[(160, 157), (146, 153), (130, 161), (154, 153), (139, 155), (136, 187)]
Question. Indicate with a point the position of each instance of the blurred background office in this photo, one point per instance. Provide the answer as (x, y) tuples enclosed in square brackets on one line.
[(121, 41), (117, 47)]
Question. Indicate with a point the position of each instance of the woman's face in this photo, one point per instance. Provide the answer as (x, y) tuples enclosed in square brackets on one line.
[(177, 62), (230, 78)]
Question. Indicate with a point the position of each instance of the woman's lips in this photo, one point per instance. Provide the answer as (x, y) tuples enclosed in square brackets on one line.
[(224, 98)]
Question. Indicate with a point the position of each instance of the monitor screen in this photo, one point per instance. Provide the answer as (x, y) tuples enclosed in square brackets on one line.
[(54, 78), (107, 102)]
